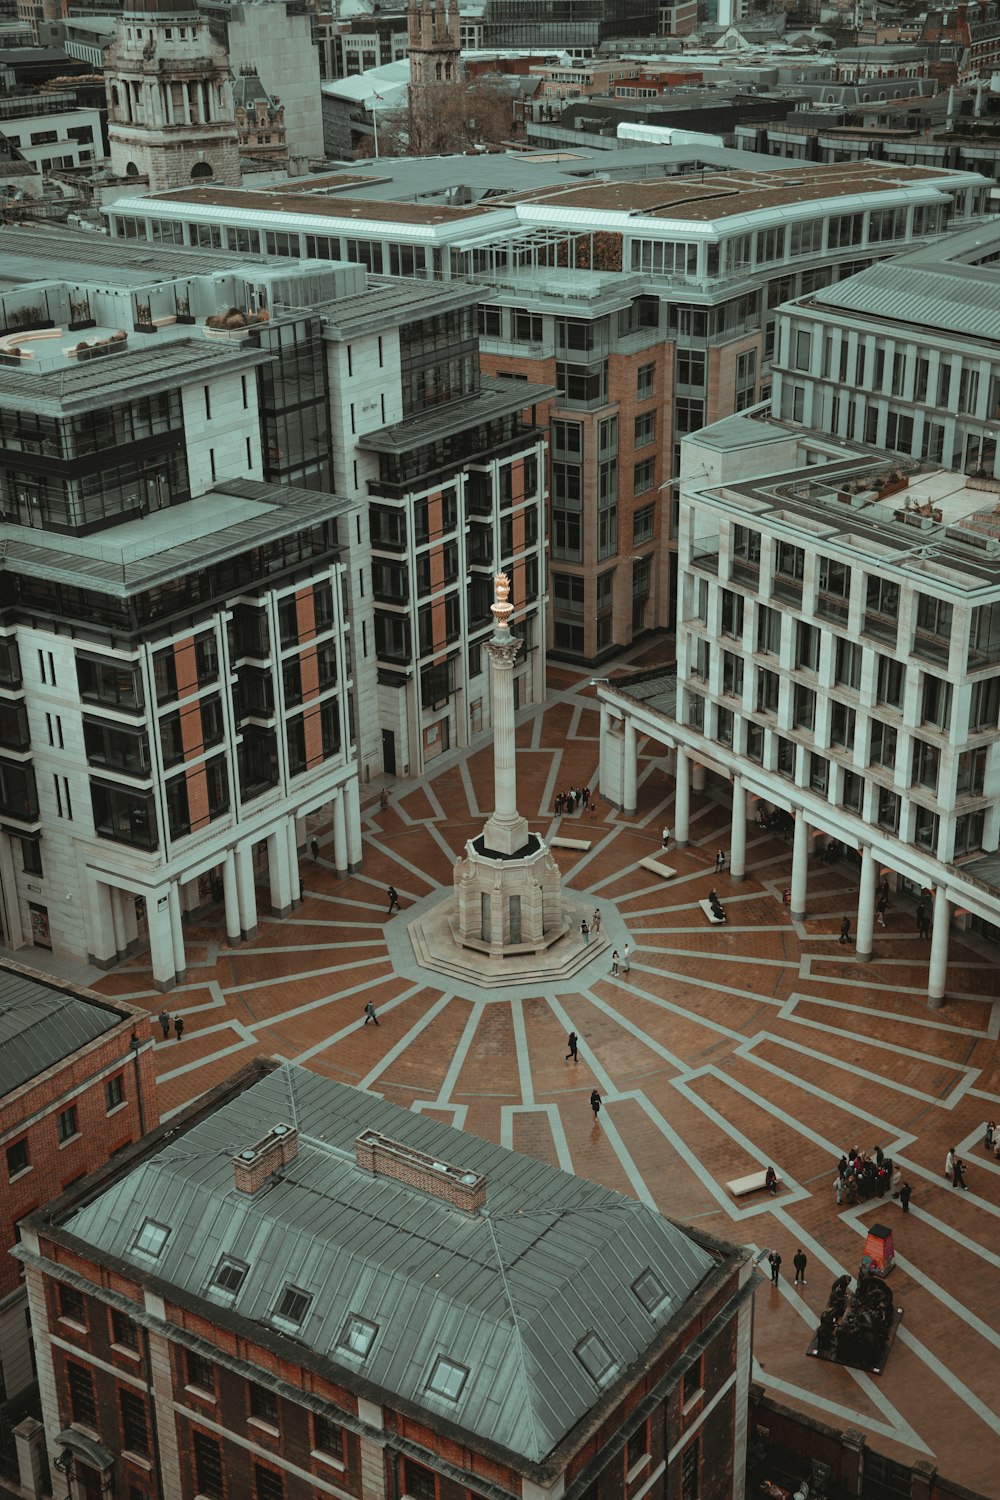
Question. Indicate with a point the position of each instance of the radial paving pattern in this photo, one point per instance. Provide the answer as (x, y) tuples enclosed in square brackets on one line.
[(721, 1050)]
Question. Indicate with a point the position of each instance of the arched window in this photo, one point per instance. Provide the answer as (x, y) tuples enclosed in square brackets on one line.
[(201, 169), (437, 71), (131, 170)]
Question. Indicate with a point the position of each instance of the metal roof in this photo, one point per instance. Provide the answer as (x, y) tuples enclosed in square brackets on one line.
[(498, 396), (508, 1292), (957, 299), (43, 255), (41, 1024)]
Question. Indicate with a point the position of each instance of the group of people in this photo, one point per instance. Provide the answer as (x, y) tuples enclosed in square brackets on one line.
[(954, 1170), (718, 910), (862, 1174), (178, 1024), (992, 1139), (567, 802)]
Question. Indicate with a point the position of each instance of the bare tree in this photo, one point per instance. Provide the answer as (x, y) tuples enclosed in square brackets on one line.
[(442, 118)]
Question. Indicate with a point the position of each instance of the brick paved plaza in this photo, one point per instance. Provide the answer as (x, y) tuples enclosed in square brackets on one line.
[(722, 1050)]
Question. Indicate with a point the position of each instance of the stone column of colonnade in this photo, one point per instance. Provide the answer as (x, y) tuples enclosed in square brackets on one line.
[(937, 982), (738, 835), (800, 868), (682, 798), (865, 928), (630, 768)]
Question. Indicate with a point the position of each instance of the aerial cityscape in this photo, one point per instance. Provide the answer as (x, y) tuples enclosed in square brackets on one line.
[(499, 750)]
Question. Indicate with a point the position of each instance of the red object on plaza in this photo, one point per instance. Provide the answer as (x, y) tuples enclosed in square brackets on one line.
[(878, 1257)]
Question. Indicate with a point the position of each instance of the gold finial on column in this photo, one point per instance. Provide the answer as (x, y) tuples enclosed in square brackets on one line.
[(502, 609)]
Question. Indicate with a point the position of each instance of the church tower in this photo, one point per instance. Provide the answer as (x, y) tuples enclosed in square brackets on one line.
[(171, 117), (434, 43)]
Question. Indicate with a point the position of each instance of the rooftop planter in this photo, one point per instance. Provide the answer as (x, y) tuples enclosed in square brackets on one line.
[(234, 323)]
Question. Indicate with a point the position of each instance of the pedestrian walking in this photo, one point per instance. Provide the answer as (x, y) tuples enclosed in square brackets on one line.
[(923, 921), (665, 839), (838, 1187), (393, 900), (879, 1156), (595, 922), (571, 1042), (883, 891), (949, 1163), (314, 847), (614, 964), (904, 1197), (370, 1013), (771, 1181), (720, 861), (799, 1262), (586, 798), (774, 1261), (164, 1021), (383, 799), (179, 1027), (881, 907), (595, 1102), (585, 930), (845, 929), (958, 1174), (626, 959)]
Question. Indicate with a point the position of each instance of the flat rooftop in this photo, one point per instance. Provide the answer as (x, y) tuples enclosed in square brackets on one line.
[(316, 205), (31, 255)]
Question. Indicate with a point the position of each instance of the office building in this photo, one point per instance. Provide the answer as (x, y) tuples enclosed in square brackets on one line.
[(838, 658), (302, 1290), (76, 1086), (646, 300), (577, 27)]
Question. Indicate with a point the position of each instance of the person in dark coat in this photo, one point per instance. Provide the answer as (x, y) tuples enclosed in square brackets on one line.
[(164, 1020), (845, 929), (904, 1197), (799, 1262), (595, 1102), (571, 1043), (771, 1181), (774, 1261), (179, 1027), (393, 900), (957, 1173), (923, 921)]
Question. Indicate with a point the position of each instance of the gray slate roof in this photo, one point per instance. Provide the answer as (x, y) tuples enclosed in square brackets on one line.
[(508, 1292), (40, 1025)]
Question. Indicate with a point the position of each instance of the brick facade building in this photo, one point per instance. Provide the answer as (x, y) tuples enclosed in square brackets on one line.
[(369, 1303), (74, 1090)]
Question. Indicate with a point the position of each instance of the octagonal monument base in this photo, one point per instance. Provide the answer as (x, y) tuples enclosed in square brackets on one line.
[(435, 947)]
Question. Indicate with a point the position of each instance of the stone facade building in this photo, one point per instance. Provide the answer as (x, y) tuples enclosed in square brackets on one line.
[(170, 100)]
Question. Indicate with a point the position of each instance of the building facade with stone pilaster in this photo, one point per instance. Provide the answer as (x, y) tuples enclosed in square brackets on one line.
[(171, 117), (350, 1306), (76, 1086), (176, 660), (838, 665)]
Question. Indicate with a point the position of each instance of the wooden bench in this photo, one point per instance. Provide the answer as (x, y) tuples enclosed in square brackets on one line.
[(657, 867), (754, 1182), (559, 842), (706, 907)]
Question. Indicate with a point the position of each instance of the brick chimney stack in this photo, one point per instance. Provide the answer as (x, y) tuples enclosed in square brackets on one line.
[(383, 1157), (255, 1165)]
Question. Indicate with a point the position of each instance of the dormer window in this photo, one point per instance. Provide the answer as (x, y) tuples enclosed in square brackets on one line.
[(447, 1379), (650, 1291), (293, 1304), (357, 1336), (151, 1238), (596, 1359)]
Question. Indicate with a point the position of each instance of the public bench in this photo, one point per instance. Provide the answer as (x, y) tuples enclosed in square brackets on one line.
[(706, 907), (558, 841), (754, 1182), (657, 867)]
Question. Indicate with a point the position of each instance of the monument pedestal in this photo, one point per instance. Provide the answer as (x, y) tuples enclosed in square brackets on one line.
[(509, 905)]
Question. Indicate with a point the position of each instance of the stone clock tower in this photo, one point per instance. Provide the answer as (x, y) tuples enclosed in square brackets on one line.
[(171, 117)]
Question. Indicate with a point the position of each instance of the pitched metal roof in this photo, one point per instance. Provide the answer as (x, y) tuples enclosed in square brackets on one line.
[(508, 1293), (957, 299), (41, 1024)]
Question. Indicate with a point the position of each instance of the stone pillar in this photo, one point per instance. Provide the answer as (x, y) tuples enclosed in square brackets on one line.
[(8, 885), (177, 933), (231, 897), (697, 777), (294, 883), (161, 943), (630, 768), (937, 981), (246, 894), (852, 1464), (738, 834), (118, 921), (682, 798), (800, 867), (103, 951), (29, 1444), (353, 816), (339, 834), (506, 832), (866, 906), (277, 871)]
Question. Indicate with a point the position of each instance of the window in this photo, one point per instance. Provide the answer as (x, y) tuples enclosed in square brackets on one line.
[(327, 1437), (419, 1481), (642, 525), (746, 379), (936, 702), (645, 429), (732, 674), (207, 1466), (645, 378), (768, 630), (293, 1305), (888, 809), (114, 1092), (650, 1291), (123, 1331), (803, 708), (768, 689), (852, 792), (848, 671), (151, 1238), (18, 1159), (66, 1127), (268, 1483), (984, 705), (732, 614), (843, 723), (819, 774), (690, 1471), (263, 1404), (969, 832), (637, 1447), (596, 1359), (883, 747), (447, 1378), (807, 647), (135, 1428), (357, 1336), (71, 1304), (643, 476), (82, 1406), (755, 743), (229, 1276), (724, 726), (200, 1371)]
